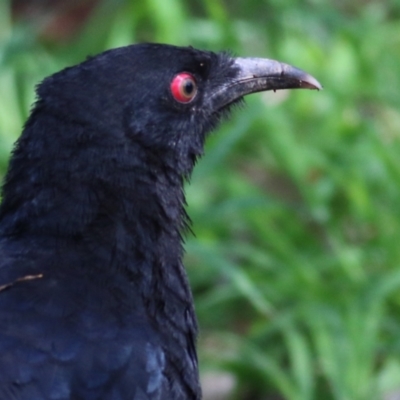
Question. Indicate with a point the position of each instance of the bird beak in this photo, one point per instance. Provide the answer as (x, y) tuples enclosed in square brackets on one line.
[(261, 74)]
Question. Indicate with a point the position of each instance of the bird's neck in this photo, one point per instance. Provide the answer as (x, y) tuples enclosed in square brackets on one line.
[(99, 190), (125, 216)]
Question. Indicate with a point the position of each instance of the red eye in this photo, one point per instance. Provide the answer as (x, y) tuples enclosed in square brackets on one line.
[(183, 87)]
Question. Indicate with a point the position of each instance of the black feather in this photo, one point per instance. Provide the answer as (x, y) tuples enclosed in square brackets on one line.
[(94, 299)]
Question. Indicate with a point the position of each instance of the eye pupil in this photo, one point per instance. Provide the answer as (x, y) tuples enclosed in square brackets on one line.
[(188, 87), (183, 87)]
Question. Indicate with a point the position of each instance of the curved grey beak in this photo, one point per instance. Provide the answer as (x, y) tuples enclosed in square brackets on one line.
[(261, 74)]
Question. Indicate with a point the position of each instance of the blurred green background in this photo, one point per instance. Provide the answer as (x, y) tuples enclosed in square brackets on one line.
[(295, 266)]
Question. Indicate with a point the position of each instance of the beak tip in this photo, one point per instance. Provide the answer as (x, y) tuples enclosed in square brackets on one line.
[(309, 82)]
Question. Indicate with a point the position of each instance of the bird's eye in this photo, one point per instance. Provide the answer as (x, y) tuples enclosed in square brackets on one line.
[(184, 87)]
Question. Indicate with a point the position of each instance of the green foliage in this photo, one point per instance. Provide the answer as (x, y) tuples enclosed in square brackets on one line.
[(295, 264)]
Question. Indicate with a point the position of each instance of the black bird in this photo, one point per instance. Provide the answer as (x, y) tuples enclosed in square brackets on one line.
[(94, 299)]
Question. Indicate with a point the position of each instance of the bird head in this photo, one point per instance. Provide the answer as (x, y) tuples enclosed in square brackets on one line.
[(161, 97)]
